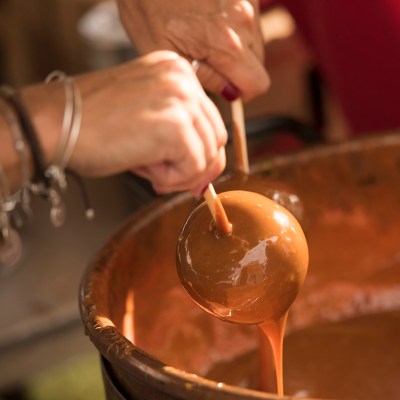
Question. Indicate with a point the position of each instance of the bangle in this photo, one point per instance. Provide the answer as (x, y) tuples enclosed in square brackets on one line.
[(69, 131)]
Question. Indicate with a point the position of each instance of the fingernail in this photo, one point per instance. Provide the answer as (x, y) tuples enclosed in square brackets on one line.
[(230, 92)]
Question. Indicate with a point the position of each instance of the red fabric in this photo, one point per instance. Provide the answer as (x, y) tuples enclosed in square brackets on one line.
[(357, 46)]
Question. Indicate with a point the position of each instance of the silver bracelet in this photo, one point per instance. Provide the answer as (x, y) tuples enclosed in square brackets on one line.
[(70, 128), (68, 138)]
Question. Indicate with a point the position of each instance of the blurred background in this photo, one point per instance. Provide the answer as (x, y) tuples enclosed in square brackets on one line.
[(39, 36), (44, 353)]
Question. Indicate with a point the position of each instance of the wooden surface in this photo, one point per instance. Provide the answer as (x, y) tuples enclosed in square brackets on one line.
[(37, 36)]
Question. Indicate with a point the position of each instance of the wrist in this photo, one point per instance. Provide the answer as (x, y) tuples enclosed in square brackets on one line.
[(8, 155), (51, 153), (45, 107)]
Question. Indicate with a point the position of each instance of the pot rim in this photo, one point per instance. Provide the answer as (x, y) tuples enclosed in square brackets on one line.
[(118, 349)]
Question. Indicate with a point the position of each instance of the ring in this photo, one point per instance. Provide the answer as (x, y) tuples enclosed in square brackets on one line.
[(195, 65)]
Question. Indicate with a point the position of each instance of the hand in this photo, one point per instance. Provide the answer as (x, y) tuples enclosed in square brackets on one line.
[(150, 116), (223, 34)]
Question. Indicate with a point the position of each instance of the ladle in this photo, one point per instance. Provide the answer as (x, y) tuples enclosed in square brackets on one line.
[(222, 225), (251, 276), (239, 140), (253, 272), (278, 191)]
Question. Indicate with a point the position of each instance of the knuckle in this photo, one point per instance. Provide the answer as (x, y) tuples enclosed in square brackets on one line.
[(212, 154), (244, 12), (199, 165), (222, 134), (176, 67), (180, 82), (170, 129), (178, 125), (181, 119), (229, 42), (196, 163), (240, 19), (264, 84)]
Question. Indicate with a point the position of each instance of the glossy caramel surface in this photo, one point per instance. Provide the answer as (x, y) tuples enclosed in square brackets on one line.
[(252, 275)]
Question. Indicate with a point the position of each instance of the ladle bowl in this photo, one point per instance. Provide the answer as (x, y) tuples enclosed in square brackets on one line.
[(342, 331), (251, 275)]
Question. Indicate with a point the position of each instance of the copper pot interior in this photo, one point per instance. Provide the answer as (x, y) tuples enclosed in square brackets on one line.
[(342, 338)]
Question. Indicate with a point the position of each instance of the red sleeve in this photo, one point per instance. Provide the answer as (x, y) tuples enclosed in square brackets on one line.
[(357, 46)]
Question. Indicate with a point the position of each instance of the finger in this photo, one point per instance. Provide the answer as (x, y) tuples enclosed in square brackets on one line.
[(244, 74), (165, 177), (215, 82), (214, 171), (216, 126), (186, 159), (256, 80), (235, 57), (155, 174), (207, 121), (145, 172), (244, 70), (204, 127), (258, 47), (245, 20), (195, 184)]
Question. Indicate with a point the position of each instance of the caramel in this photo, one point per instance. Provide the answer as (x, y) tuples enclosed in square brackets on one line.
[(251, 276)]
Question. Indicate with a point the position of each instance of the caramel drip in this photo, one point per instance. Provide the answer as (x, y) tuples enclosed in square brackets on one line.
[(271, 350)]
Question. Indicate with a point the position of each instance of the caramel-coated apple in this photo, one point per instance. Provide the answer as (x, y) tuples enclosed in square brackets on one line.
[(253, 274)]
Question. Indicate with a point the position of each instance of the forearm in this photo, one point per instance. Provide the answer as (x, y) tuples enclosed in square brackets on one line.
[(150, 116)]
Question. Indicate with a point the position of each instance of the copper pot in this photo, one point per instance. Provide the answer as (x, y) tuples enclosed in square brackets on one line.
[(149, 332)]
